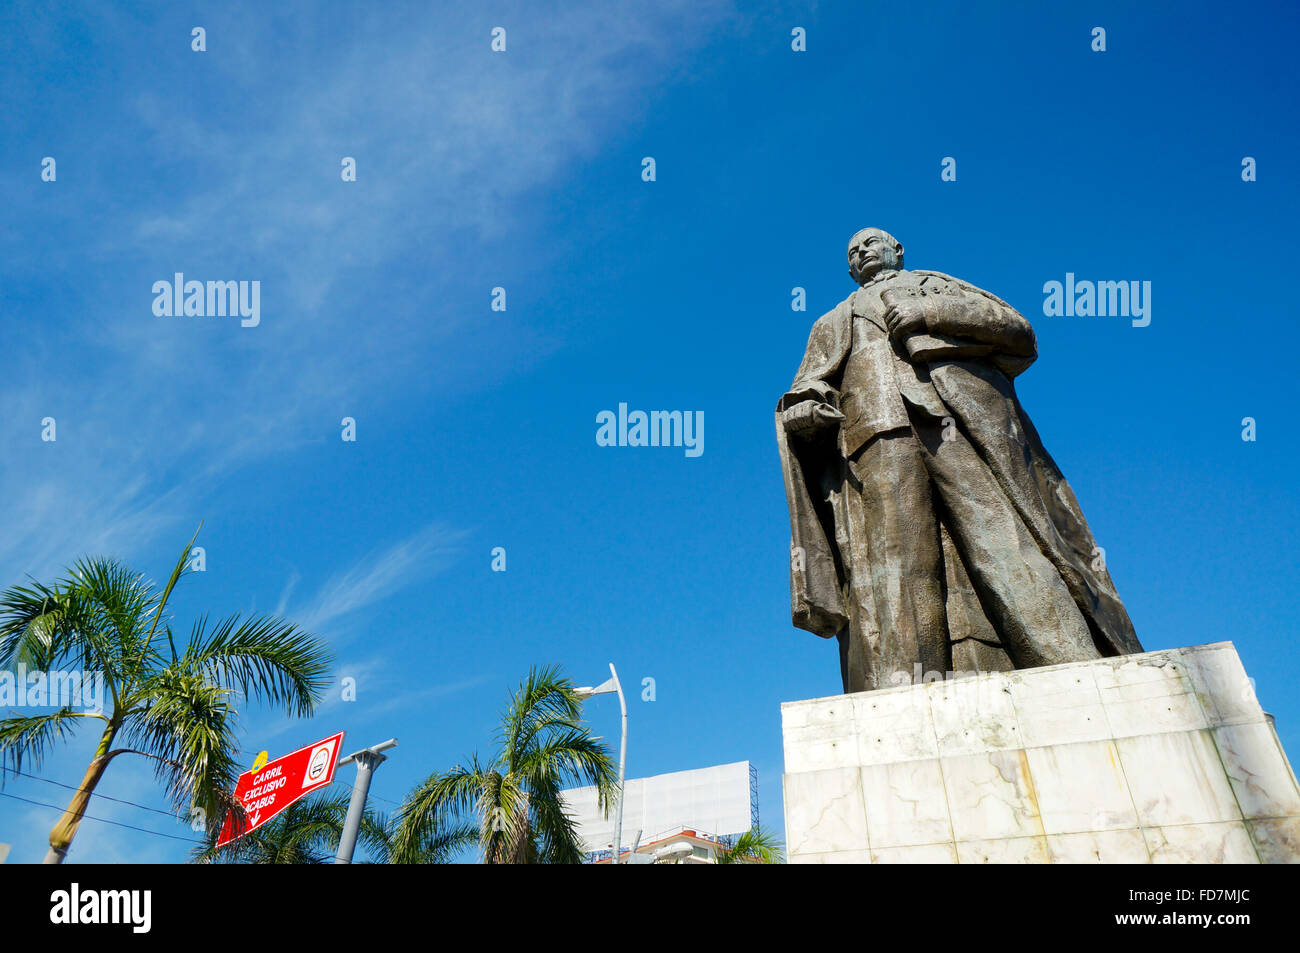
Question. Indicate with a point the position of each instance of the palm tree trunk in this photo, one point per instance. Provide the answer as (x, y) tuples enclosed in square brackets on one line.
[(66, 829)]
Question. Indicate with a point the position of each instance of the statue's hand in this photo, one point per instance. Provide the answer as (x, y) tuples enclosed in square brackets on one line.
[(904, 315), (809, 416)]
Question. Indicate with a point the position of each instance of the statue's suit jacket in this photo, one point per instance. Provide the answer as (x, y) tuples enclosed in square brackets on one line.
[(851, 364)]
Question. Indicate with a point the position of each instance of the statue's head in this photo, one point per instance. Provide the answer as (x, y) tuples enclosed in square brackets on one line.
[(872, 251)]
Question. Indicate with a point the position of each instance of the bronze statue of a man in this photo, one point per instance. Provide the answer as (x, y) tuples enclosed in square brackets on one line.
[(931, 530)]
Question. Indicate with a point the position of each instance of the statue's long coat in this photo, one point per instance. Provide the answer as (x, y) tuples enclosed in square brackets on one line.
[(979, 395)]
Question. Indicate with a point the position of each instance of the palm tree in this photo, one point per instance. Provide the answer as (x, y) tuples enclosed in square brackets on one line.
[(513, 802), (438, 845), (306, 832), (755, 846), (172, 707)]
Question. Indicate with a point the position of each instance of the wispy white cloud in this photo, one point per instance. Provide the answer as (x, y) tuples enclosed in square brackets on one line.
[(228, 167), (376, 576), (384, 684), (282, 607), (243, 156), (414, 701)]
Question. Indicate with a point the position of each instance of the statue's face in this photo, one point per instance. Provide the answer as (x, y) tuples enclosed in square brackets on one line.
[(871, 252)]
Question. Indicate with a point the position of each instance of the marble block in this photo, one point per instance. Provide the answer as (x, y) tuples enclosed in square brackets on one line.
[(1164, 757)]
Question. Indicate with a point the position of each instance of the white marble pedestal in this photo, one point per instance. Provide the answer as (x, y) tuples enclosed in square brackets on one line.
[(1164, 757)]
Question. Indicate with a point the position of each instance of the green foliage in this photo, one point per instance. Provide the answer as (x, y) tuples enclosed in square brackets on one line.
[(306, 832), (176, 708), (511, 805), (755, 846)]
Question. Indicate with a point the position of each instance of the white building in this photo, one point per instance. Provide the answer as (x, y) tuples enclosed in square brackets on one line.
[(666, 814)]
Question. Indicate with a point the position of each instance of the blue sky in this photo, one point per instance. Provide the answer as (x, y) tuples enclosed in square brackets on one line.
[(476, 428)]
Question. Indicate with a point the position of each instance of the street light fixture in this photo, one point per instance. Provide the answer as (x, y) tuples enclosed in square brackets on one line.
[(604, 688)]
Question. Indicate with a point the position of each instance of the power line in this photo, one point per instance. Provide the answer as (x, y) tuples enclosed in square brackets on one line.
[(146, 807), (104, 820), (73, 787)]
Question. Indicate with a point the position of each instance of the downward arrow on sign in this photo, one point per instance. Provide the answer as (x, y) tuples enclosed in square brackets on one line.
[(252, 821)]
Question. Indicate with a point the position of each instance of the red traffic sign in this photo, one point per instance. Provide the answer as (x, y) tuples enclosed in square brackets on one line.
[(267, 791)]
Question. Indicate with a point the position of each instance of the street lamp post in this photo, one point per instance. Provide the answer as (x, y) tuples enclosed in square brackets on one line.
[(614, 685)]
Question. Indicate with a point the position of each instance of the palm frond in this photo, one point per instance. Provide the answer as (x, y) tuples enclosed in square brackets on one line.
[(440, 804), (506, 834), (175, 709), (177, 572), (557, 840), (187, 725), (121, 598), (375, 834), (267, 658), (31, 626), (544, 746), (31, 737), (571, 755), (442, 845), (56, 626), (306, 832), (755, 846), (542, 697)]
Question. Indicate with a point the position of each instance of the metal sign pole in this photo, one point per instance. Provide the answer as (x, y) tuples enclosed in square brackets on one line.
[(367, 759)]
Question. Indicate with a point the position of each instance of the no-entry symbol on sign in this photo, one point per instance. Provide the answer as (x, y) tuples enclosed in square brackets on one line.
[(267, 791)]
